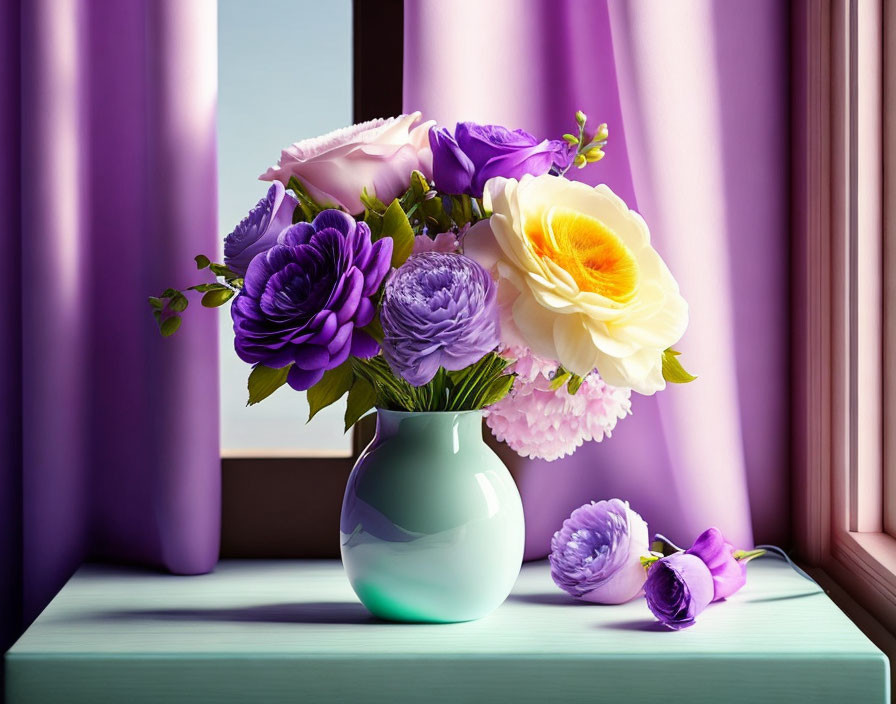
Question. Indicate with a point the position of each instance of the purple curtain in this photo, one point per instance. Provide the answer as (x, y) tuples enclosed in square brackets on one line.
[(109, 444), (695, 95)]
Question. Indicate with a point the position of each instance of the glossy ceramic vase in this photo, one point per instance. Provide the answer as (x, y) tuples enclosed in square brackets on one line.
[(432, 522)]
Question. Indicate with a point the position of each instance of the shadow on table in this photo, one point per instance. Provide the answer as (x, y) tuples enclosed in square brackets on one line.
[(557, 599), (301, 612)]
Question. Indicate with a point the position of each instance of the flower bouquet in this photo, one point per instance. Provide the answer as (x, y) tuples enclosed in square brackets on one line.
[(438, 276)]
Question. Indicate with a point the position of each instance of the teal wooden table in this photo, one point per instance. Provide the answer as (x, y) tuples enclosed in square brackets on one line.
[(294, 632)]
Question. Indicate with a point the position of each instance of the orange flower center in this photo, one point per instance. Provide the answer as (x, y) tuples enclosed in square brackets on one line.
[(593, 255)]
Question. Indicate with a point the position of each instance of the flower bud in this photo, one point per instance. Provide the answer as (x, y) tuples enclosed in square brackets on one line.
[(580, 118)]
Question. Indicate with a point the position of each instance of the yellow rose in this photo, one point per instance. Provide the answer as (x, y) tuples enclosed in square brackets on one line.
[(578, 278)]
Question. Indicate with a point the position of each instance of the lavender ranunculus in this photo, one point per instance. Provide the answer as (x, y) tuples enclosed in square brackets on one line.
[(306, 299), (258, 231), (439, 310), (465, 160), (678, 588), (596, 555), (728, 574)]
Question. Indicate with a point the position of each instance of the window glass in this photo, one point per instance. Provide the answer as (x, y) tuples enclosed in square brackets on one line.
[(285, 74)]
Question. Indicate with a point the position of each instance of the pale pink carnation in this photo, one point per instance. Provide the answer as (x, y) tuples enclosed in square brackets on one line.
[(538, 422), (444, 242)]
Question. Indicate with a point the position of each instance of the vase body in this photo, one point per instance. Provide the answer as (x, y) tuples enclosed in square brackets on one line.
[(432, 523)]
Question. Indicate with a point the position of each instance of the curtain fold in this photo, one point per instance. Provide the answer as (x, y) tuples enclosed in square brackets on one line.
[(697, 112), (110, 434)]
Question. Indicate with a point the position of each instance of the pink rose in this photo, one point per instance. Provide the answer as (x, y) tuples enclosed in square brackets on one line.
[(378, 155)]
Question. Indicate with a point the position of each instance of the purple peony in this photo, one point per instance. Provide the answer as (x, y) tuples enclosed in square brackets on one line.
[(306, 299), (678, 588), (596, 555), (258, 231), (439, 310), (728, 575), (462, 162)]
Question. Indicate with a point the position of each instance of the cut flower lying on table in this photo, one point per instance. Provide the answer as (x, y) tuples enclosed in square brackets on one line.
[(601, 554), (420, 268)]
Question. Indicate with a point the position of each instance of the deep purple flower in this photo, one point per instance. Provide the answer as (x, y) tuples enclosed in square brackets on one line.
[(596, 555), (728, 575), (306, 299), (452, 170), (678, 588), (258, 231), (439, 310), (464, 161)]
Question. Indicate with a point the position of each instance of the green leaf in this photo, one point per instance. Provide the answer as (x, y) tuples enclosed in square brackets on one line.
[(202, 288), (375, 223), (361, 398), (221, 270), (419, 185), (218, 297), (498, 389), (263, 381), (561, 376), (178, 302), (372, 203), (202, 261), (673, 372), (575, 381), (332, 387), (169, 293), (309, 207), (156, 302), (170, 325), (397, 226)]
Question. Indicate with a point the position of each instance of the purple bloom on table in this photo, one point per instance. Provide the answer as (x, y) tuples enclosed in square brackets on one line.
[(678, 588), (465, 160), (258, 231), (439, 310), (306, 299), (596, 555), (728, 575)]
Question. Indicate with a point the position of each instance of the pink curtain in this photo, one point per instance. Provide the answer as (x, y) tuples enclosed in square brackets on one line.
[(695, 97), (109, 445)]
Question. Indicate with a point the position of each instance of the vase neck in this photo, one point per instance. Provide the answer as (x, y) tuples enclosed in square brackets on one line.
[(446, 430)]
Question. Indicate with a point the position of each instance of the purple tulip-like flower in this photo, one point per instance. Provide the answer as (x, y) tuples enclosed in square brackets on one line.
[(464, 161), (677, 589), (596, 555), (728, 574), (258, 231), (306, 299), (439, 310)]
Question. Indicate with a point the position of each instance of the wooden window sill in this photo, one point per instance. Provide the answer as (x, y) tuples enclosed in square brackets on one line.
[(293, 630)]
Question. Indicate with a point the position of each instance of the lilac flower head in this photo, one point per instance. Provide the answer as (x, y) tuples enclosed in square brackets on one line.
[(728, 575), (596, 555), (678, 588), (465, 160), (306, 299), (258, 231), (439, 310)]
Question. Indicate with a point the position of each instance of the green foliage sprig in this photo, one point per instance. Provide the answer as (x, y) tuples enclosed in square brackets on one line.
[(167, 307)]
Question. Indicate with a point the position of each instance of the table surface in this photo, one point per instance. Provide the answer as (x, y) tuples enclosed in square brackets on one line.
[(294, 631)]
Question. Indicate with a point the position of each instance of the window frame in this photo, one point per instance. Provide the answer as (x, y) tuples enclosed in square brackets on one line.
[(839, 284)]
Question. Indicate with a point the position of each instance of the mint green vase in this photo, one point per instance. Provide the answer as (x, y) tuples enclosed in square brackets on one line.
[(432, 522)]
